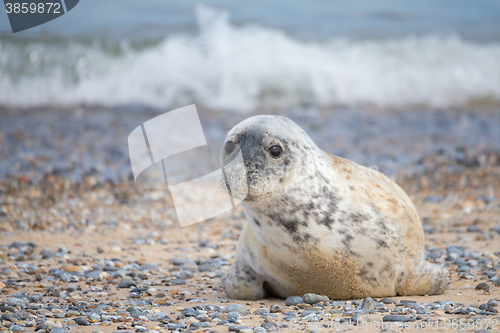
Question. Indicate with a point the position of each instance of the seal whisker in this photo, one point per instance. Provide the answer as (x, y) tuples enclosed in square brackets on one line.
[(215, 194)]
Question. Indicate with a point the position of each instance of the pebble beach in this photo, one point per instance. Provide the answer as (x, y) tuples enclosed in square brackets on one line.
[(83, 249)]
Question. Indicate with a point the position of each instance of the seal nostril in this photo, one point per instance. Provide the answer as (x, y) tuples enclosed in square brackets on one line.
[(275, 151), (229, 148)]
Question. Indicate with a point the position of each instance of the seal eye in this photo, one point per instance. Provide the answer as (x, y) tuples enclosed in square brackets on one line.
[(229, 148), (275, 151)]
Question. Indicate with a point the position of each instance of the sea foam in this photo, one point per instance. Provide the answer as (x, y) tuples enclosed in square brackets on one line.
[(240, 68)]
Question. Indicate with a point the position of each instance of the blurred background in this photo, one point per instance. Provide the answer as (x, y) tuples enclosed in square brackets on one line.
[(411, 88), (237, 56)]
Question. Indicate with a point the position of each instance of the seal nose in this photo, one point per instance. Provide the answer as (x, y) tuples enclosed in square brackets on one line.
[(229, 147), (229, 152)]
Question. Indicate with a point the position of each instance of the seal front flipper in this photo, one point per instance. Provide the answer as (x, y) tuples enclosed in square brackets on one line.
[(243, 283)]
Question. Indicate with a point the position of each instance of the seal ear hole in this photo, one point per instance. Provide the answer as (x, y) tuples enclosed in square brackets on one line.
[(275, 151), (229, 147)]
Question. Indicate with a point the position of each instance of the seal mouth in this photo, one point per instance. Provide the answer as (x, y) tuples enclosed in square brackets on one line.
[(261, 197)]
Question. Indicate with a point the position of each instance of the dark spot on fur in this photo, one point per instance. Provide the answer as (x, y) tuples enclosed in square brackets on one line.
[(358, 217), (382, 243), (302, 238), (347, 240), (256, 222)]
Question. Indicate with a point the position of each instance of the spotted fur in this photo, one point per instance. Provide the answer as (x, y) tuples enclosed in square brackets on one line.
[(319, 223)]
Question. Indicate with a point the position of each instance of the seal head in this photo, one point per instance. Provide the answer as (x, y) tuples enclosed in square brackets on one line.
[(275, 152)]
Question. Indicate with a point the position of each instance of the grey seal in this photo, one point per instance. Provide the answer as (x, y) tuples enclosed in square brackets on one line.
[(319, 223)]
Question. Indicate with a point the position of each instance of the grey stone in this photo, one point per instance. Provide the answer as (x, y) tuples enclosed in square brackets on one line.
[(293, 300), (180, 262), (306, 313), (94, 316), (492, 303), (178, 282), (274, 308), (388, 301), (311, 298), (432, 198), (150, 267), (236, 308), (126, 284), (160, 315), (190, 313), (15, 328), (93, 275), (173, 326), (473, 228), (496, 280), (81, 321), (57, 330), (368, 304), (483, 286), (269, 326), (400, 318), (235, 328), (461, 311), (13, 301)]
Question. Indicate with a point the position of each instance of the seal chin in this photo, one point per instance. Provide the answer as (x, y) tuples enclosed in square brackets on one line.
[(261, 199)]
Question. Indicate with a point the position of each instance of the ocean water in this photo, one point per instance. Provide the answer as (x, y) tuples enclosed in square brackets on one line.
[(241, 56)]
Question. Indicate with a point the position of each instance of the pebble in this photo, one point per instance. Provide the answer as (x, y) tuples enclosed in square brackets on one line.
[(275, 308), (178, 282), (493, 303), (392, 318), (388, 301), (5, 308), (240, 309), (473, 228), (306, 313), (269, 326), (82, 321), (173, 326), (57, 330), (235, 328), (13, 301), (357, 319), (368, 304), (126, 284), (293, 300), (311, 298), (181, 262), (483, 286)]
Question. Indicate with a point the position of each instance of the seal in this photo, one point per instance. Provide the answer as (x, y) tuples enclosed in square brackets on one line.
[(318, 223)]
